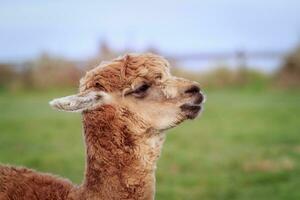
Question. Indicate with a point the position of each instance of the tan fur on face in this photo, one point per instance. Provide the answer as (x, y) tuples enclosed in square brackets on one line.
[(126, 73), (123, 133)]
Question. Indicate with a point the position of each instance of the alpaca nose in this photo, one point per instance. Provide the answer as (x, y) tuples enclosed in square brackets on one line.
[(196, 92), (192, 90)]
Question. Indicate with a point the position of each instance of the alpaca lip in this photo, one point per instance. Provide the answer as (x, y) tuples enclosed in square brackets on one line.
[(191, 110)]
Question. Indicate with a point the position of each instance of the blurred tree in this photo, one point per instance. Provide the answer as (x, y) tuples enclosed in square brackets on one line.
[(289, 73), (7, 75), (27, 75)]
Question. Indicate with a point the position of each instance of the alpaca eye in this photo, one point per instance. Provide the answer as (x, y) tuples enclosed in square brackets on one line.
[(142, 88), (159, 77), (140, 92)]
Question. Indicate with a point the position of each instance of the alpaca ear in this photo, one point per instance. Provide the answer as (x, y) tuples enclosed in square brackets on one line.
[(81, 102)]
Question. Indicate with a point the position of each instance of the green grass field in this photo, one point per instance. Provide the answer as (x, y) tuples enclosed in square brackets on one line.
[(246, 145)]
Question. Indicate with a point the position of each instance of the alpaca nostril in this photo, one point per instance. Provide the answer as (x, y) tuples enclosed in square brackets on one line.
[(200, 98), (193, 90)]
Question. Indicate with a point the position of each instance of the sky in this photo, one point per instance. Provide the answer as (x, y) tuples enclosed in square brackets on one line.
[(74, 29)]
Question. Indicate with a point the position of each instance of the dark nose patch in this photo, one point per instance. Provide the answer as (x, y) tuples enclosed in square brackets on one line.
[(193, 90)]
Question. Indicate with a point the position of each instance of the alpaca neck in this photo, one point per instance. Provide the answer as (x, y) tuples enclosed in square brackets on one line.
[(120, 162)]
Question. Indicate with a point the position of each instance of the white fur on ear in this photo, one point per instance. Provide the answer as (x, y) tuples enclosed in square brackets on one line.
[(81, 102)]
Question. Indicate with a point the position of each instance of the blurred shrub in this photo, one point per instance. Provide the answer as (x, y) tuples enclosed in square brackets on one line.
[(48, 72), (242, 77), (225, 77), (220, 77), (289, 73), (8, 76), (42, 73)]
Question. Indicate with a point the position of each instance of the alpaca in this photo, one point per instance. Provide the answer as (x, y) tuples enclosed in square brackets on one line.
[(127, 105)]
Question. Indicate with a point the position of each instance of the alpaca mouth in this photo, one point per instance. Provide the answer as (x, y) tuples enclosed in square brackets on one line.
[(191, 110)]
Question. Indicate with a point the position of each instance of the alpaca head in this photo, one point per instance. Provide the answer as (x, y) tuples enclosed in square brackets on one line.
[(142, 84)]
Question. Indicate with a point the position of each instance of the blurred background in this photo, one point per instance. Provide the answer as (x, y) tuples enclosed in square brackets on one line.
[(245, 54)]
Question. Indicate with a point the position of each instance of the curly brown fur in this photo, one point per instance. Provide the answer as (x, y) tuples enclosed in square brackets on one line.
[(24, 184)]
